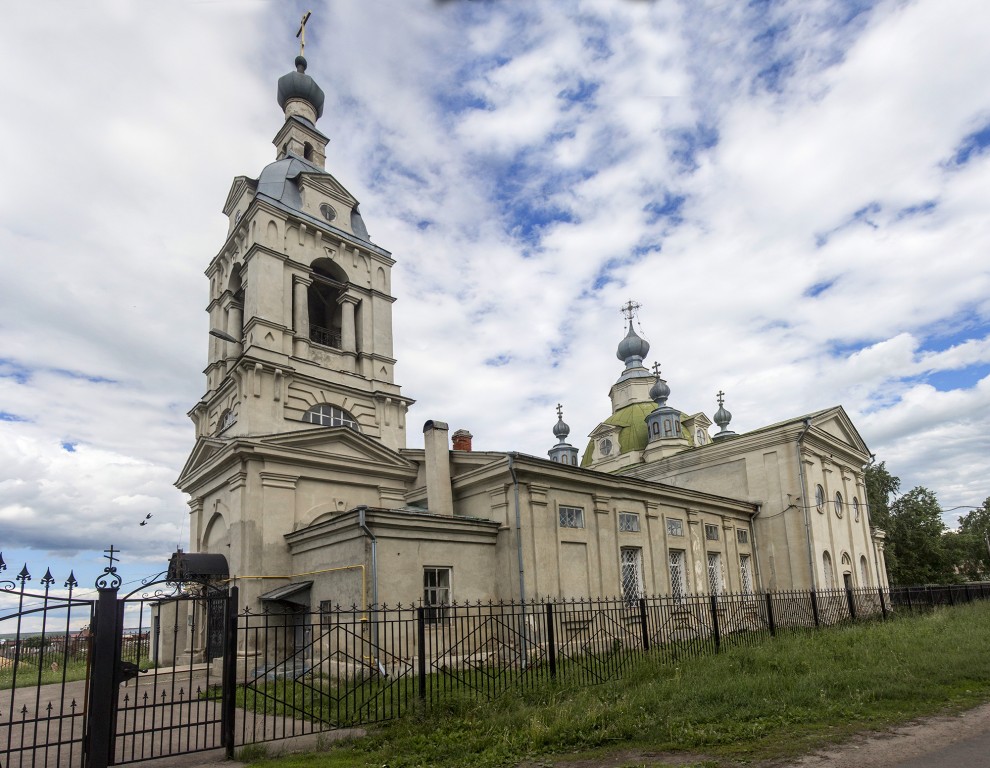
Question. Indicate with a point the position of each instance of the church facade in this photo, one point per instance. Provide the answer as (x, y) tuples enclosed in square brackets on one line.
[(301, 477)]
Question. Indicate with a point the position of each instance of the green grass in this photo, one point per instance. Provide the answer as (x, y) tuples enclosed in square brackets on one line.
[(74, 669), (780, 698)]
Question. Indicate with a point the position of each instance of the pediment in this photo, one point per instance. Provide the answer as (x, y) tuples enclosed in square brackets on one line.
[(339, 442), (237, 189), (205, 449), (328, 185), (836, 423), (602, 430)]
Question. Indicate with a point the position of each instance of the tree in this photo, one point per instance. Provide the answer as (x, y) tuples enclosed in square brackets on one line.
[(880, 486), (971, 545), (916, 551)]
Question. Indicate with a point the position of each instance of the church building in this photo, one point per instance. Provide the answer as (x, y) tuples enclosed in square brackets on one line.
[(301, 477)]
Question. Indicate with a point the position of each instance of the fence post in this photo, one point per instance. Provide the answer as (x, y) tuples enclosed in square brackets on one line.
[(715, 632), (931, 597), (883, 606), (910, 604), (770, 620), (421, 638), (103, 674), (852, 603), (228, 685), (551, 641), (952, 600), (814, 608), (642, 624)]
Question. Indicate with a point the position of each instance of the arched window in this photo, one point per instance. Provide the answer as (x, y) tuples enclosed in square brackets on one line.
[(855, 509), (308, 151), (227, 419), (819, 498), (829, 573), (330, 416), (329, 283), (838, 504), (864, 573)]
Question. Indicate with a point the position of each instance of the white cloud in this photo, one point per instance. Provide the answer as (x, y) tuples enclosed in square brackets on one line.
[(129, 127)]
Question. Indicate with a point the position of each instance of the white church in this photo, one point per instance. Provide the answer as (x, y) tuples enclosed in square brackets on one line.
[(300, 475)]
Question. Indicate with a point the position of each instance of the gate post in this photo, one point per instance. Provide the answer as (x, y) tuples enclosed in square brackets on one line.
[(770, 619), (104, 678), (814, 608), (883, 606), (421, 637), (851, 601), (715, 632), (228, 685), (642, 624), (551, 641)]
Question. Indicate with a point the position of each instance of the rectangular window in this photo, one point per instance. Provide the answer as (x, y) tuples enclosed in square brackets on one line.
[(715, 582), (632, 574), (571, 517), (436, 594), (629, 522), (678, 581), (746, 574), (675, 527), (326, 612), (742, 536), (711, 532)]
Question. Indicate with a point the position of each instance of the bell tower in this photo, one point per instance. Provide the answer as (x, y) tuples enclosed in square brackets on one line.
[(300, 298)]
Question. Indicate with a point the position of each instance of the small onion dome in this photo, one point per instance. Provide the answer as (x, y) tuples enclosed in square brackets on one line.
[(632, 346), (299, 85), (561, 430), (659, 392), (722, 417)]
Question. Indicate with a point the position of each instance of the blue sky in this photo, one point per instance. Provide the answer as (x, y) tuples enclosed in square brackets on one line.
[(796, 193)]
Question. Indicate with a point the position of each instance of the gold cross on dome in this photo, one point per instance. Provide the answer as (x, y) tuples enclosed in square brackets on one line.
[(301, 34)]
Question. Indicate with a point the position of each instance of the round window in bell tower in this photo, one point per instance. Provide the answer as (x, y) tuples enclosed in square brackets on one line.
[(328, 211)]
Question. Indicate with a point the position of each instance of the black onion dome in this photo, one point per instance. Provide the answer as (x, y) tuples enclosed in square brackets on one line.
[(299, 85)]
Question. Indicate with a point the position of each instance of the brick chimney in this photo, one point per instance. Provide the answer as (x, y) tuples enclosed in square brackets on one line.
[(462, 440), (439, 496)]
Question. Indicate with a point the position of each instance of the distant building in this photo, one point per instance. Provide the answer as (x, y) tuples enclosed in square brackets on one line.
[(301, 478)]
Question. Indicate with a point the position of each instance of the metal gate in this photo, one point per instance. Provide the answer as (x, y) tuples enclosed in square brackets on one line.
[(45, 655), (113, 680)]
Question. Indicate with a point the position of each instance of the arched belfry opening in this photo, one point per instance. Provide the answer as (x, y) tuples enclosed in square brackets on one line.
[(325, 312)]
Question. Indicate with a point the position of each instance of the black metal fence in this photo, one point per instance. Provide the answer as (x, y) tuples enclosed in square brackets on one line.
[(118, 679)]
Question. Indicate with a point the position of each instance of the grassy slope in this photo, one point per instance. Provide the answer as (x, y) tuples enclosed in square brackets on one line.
[(783, 697)]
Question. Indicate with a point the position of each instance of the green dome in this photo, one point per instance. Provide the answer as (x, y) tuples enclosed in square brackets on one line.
[(633, 435)]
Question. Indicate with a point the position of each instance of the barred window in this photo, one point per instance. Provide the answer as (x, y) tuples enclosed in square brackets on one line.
[(678, 582), (330, 416), (715, 580), (675, 527), (742, 535), (436, 593), (838, 504), (326, 612), (629, 522), (745, 574), (711, 532), (632, 573), (571, 517)]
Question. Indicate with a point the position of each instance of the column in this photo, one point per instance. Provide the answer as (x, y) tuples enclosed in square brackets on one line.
[(300, 316)]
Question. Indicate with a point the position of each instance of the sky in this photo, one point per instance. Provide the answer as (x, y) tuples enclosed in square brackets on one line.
[(796, 192)]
